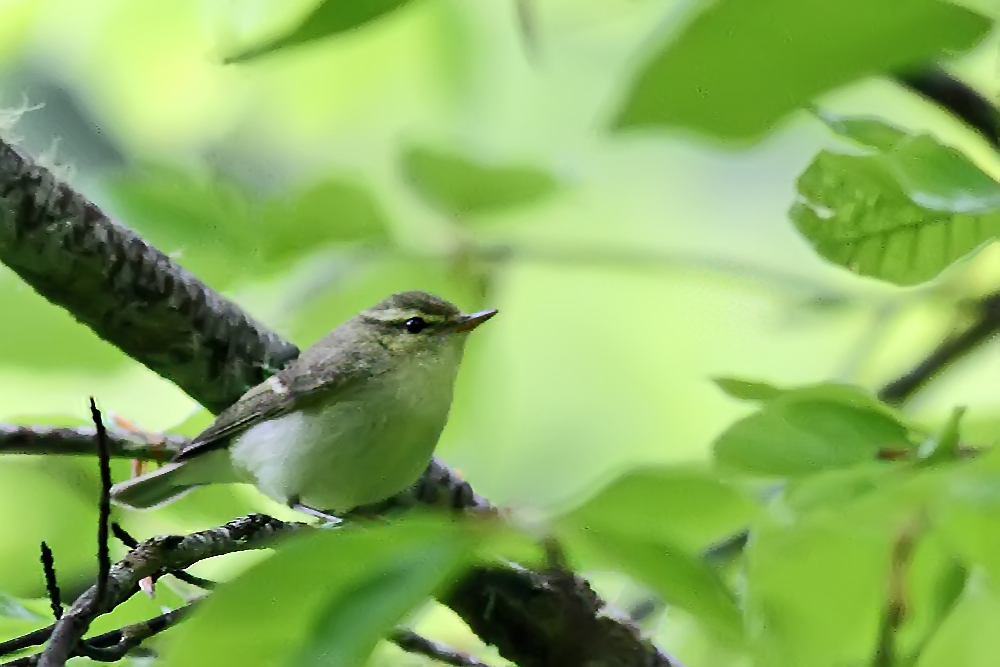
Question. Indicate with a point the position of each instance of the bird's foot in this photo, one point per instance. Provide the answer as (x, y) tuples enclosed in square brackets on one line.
[(328, 520)]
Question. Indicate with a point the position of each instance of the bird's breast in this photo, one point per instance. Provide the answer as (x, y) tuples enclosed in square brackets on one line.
[(361, 448)]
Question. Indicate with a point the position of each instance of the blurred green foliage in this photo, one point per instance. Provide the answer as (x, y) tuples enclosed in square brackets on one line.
[(629, 268)]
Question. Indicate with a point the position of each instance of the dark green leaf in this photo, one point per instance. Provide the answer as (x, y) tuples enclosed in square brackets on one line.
[(330, 594), (748, 390), (684, 507), (901, 216), (460, 187), (808, 430), (739, 67), (329, 18), (334, 211)]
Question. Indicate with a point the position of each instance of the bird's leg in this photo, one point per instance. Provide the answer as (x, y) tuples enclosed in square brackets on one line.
[(312, 511)]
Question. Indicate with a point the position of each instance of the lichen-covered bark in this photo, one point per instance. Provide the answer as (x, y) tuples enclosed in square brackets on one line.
[(138, 299), (129, 293)]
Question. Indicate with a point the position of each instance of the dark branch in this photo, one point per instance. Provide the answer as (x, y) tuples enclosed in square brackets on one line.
[(956, 97), (411, 642), (115, 645), (17, 439), (986, 325), (132, 543), (154, 558), (104, 507), (51, 583)]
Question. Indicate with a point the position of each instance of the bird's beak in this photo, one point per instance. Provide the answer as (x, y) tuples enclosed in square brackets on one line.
[(470, 322)]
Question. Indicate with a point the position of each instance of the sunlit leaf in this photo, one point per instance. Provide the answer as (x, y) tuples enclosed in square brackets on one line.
[(809, 430), (326, 597), (462, 187), (329, 18), (748, 390), (685, 507), (738, 67), (902, 215)]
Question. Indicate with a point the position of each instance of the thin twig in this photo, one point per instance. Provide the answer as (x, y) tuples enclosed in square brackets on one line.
[(411, 642), (129, 541), (104, 509), (115, 645), (51, 584), (36, 439)]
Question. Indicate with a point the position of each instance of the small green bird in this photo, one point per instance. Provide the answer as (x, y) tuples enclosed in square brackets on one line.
[(352, 421)]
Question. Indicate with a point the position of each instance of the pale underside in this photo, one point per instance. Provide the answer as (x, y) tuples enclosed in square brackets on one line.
[(359, 449)]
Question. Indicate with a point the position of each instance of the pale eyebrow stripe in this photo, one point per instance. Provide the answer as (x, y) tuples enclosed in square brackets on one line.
[(401, 315)]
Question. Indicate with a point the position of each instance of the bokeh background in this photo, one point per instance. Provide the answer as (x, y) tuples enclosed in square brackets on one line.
[(656, 262)]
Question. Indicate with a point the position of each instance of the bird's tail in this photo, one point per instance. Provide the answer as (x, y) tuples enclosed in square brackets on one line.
[(173, 480)]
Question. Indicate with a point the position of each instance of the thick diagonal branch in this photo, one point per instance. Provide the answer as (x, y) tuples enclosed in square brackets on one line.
[(128, 292), (137, 298)]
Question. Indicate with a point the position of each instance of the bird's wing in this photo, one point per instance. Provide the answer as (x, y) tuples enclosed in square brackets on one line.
[(313, 375), (266, 401)]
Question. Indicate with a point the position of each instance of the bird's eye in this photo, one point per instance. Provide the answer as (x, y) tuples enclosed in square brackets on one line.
[(415, 325)]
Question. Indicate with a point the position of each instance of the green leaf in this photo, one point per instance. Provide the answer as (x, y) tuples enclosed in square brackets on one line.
[(902, 215), (329, 18), (676, 576), (748, 390), (943, 447), (333, 211), (460, 187), (650, 522), (809, 430), (869, 131), (14, 609), (738, 67), (968, 516), (690, 508), (817, 580), (331, 594)]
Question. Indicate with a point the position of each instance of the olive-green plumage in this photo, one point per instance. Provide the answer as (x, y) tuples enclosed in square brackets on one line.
[(352, 421)]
